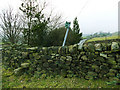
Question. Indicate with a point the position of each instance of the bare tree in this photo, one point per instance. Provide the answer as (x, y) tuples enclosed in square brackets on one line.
[(11, 25), (56, 21)]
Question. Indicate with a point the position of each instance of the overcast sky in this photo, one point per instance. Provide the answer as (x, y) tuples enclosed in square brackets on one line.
[(93, 15)]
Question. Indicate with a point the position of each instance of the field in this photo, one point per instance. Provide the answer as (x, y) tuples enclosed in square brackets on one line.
[(103, 38)]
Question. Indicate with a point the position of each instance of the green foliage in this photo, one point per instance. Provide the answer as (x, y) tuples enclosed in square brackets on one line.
[(39, 33), (56, 37), (76, 28), (28, 10), (35, 32)]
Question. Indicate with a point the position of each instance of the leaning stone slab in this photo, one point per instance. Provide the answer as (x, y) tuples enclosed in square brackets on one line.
[(80, 44)]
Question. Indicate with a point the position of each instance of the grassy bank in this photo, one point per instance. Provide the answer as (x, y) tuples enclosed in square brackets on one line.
[(11, 81)]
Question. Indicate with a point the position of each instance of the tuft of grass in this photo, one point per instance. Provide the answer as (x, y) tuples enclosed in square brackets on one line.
[(12, 81)]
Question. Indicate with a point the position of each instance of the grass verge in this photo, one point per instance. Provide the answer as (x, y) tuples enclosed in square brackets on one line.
[(9, 80)]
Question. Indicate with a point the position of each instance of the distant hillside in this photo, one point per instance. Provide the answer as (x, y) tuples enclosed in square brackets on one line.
[(84, 35), (115, 33), (100, 34), (97, 34), (108, 36)]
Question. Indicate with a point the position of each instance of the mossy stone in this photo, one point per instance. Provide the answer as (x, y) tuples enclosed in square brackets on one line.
[(24, 54), (114, 46), (103, 55), (18, 71), (84, 57), (25, 65), (101, 59), (68, 58), (111, 60), (91, 47), (98, 47), (50, 61), (110, 74)]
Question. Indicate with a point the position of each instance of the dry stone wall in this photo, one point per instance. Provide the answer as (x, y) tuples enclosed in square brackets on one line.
[(91, 62)]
